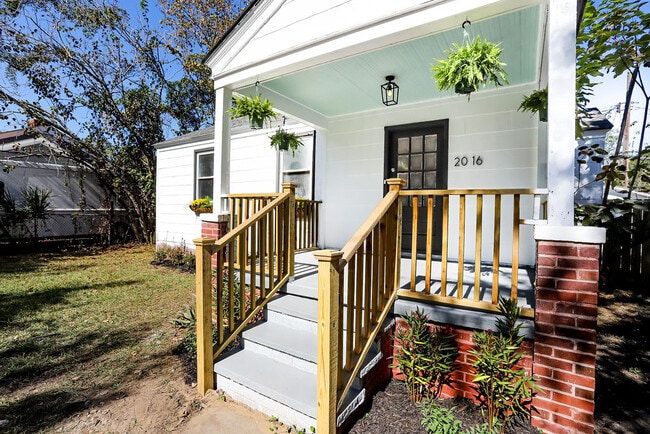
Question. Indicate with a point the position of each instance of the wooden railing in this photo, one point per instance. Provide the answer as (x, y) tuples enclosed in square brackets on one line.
[(366, 270), (358, 285), (253, 261), (503, 226), (242, 206)]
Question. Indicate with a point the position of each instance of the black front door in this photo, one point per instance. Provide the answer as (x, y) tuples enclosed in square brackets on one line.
[(417, 153)]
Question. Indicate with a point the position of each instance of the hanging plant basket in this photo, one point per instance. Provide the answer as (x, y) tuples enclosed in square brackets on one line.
[(257, 109), (202, 205), (536, 102), (284, 141), (256, 123), (469, 66)]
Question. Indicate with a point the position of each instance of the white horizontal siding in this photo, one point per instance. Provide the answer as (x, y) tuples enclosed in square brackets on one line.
[(490, 127)]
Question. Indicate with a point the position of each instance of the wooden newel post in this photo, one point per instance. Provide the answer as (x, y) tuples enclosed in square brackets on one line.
[(329, 274), (204, 355), (397, 184), (290, 187)]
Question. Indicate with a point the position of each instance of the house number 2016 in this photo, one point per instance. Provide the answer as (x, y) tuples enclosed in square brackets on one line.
[(474, 160)]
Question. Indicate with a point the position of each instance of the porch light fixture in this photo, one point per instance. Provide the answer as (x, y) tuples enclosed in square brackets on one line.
[(389, 91)]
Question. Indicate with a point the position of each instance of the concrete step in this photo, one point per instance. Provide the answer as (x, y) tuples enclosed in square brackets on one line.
[(267, 385)]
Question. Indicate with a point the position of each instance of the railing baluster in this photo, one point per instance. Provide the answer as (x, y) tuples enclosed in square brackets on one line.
[(427, 273), (374, 289), (414, 241), (445, 245), (349, 334), (497, 249), (478, 248), (367, 281), (461, 246), (231, 286), (263, 258), (253, 256), (515, 247), (358, 301)]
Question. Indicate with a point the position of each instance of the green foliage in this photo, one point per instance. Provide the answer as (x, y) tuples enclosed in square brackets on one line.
[(226, 293), (256, 108), (284, 140), (203, 204), (37, 205), (536, 102), (175, 256), (439, 420), (503, 388), (425, 357), (469, 65), (613, 37)]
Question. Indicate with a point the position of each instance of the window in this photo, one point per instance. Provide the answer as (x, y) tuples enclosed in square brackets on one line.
[(204, 169), (298, 168)]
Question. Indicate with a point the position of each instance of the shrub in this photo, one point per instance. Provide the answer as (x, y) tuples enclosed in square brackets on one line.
[(425, 357), (503, 388)]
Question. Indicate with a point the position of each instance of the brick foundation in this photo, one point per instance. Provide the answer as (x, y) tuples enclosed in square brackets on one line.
[(565, 336)]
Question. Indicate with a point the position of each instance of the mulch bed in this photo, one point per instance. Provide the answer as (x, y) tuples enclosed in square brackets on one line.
[(393, 412)]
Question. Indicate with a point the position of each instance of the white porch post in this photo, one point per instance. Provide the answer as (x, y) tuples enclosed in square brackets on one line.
[(221, 149), (561, 110)]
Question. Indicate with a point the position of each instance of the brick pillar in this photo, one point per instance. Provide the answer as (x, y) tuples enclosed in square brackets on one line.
[(214, 229), (564, 355)]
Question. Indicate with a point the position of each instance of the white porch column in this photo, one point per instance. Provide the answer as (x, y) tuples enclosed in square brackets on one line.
[(221, 148), (561, 110)]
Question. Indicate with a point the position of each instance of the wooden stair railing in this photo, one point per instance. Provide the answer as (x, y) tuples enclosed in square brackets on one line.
[(368, 267), (242, 206), (253, 261)]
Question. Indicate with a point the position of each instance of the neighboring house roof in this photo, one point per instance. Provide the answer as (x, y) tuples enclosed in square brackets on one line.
[(193, 137), (593, 120)]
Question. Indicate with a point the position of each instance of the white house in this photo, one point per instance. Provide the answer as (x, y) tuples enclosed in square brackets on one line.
[(185, 171), (77, 202), (322, 63)]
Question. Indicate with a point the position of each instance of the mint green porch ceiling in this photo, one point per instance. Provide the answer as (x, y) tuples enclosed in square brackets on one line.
[(352, 85)]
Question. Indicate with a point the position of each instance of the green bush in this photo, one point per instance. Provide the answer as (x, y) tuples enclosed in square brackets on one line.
[(425, 357), (503, 388)]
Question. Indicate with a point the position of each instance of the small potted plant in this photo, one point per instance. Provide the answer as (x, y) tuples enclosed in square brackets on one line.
[(536, 102), (257, 109), (284, 140), (469, 65), (201, 205)]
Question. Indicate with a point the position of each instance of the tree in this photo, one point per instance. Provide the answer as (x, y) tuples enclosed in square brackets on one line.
[(194, 28), (103, 88), (614, 37)]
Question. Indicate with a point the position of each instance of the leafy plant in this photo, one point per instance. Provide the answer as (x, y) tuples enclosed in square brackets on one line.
[(439, 420), (257, 109), (425, 357), (37, 205), (536, 102), (284, 140), (469, 65), (201, 205), (502, 387)]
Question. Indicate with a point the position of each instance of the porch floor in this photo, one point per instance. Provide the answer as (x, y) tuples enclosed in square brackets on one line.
[(306, 280)]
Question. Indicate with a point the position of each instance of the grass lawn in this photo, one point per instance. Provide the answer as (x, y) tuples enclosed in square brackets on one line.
[(75, 328)]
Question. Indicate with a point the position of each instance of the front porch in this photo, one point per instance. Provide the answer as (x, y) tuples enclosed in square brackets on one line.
[(358, 291)]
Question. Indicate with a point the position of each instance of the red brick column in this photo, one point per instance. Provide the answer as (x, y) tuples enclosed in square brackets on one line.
[(216, 230), (564, 355)]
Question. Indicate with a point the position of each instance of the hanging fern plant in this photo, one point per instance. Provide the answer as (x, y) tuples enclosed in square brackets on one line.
[(470, 65)]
